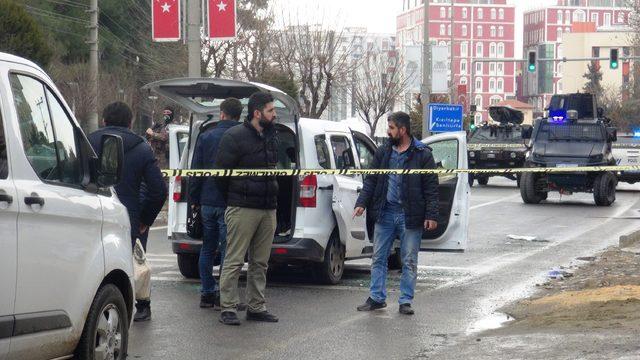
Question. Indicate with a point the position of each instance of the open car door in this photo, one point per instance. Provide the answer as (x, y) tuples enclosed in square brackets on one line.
[(450, 152)]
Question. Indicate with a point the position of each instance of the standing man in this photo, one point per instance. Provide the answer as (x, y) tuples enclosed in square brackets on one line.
[(142, 189), (158, 137), (205, 195), (402, 206), (251, 211)]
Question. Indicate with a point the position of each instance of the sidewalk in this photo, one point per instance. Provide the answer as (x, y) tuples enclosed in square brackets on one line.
[(592, 313)]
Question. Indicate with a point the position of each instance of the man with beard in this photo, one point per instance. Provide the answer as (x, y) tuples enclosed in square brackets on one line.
[(158, 137), (251, 208), (402, 206)]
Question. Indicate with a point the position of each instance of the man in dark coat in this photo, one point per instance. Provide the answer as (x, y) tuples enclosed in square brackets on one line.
[(206, 197), (142, 189), (402, 206)]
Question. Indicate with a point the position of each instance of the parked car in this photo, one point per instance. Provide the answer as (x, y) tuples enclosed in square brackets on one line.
[(66, 270), (315, 213), (626, 151)]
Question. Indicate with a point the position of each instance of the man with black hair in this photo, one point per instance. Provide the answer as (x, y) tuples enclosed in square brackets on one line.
[(206, 197), (158, 136), (251, 211), (402, 206), (142, 189)]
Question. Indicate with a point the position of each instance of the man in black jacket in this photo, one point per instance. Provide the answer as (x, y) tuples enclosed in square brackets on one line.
[(142, 189), (402, 206), (204, 194), (251, 211)]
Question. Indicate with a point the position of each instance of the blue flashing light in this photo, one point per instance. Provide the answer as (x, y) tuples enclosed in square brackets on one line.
[(558, 116), (636, 133)]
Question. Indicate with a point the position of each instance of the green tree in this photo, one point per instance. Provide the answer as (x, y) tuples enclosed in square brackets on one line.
[(594, 79), (279, 80), (21, 35)]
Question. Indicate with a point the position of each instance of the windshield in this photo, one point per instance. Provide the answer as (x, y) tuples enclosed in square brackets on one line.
[(573, 132), (496, 134)]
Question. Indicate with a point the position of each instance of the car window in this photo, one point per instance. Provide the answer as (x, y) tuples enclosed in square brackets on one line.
[(341, 147), (4, 162), (48, 136), (446, 153), (183, 139), (365, 153), (322, 151)]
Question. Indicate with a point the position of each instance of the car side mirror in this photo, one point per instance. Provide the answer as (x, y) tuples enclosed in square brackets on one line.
[(612, 134), (109, 168)]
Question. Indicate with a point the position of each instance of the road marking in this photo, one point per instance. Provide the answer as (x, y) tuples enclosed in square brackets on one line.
[(494, 202)]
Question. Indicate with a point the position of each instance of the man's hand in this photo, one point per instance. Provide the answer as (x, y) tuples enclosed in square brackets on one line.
[(143, 228), (430, 225), (358, 212), (149, 132)]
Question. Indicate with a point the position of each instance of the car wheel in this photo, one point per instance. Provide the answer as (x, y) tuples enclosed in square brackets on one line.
[(188, 265), (395, 260), (483, 180), (528, 189), (604, 189), (106, 331), (331, 269)]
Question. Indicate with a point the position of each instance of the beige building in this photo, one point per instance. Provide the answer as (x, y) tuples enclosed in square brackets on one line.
[(594, 44)]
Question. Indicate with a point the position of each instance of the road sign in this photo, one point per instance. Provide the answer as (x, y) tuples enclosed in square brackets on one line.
[(445, 118)]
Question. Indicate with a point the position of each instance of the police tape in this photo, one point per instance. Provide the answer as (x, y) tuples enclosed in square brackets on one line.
[(444, 172), (475, 147)]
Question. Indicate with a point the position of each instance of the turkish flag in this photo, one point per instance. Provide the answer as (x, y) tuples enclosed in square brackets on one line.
[(222, 19), (165, 20)]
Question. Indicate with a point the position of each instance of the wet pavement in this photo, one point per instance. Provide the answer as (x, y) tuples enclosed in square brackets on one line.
[(457, 295)]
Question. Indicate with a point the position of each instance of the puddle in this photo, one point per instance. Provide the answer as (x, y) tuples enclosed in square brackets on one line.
[(494, 321)]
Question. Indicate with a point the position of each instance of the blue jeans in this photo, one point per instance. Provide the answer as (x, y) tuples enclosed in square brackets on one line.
[(391, 226), (214, 238)]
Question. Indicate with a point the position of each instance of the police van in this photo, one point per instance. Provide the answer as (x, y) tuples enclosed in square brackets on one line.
[(315, 219)]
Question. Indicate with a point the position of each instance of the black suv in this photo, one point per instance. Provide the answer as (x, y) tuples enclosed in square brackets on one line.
[(498, 146), (570, 136)]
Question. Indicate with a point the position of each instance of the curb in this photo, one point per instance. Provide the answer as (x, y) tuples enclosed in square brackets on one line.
[(630, 240)]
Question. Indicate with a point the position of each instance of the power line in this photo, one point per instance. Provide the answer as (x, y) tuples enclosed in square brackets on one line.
[(51, 14), (68, 3)]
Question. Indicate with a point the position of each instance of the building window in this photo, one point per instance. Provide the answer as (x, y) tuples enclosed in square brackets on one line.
[(492, 50), (479, 68), (620, 18), (559, 34), (463, 67), (500, 31), (579, 16), (559, 20), (492, 68), (464, 13), (500, 67), (465, 31), (500, 86), (500, 50), (607, 19), (594, 18), (477, 118), (480, 14), (442, 29), (560, 87), (450, 12), (479, 102), (464, 49), (567, 17), (479, 50), (493, 31), (501, 14), (443, 12), (495, 100), (479, 31), (463, 81), (492, 85), (493, 14), (449, 29)]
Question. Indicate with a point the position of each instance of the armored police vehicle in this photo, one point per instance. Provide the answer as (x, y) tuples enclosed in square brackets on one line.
[(497, 146), (571, 137)]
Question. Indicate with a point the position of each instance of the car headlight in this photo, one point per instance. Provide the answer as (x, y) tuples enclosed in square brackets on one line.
[(472, 154), (513, 155)]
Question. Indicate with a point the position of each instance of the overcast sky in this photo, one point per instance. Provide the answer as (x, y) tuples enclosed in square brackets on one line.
[(379, 15)]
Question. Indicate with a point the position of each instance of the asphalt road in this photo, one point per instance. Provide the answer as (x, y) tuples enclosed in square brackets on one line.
[(457, 294)]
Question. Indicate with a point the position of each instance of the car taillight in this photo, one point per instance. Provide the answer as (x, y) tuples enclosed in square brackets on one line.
[(177, 189), (308, 190)]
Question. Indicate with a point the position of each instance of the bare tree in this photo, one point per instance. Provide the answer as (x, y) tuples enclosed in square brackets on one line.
[(378, 84), (316, 57)]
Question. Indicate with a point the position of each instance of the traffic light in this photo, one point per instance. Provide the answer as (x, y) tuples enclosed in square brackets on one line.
[(472, 127), (613, 63), (532, 61)]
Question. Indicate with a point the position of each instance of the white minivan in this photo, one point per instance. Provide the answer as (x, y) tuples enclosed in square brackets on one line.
[(315, 213), (66, 270)]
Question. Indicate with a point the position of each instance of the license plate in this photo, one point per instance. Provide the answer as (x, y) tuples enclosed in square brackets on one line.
[(566, 165), (491, 156)]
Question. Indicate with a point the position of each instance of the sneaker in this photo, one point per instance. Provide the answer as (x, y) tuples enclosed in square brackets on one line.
[(406, 309), (229, 318), (371, 305), (210, 301), (142, 314), (263, 316)]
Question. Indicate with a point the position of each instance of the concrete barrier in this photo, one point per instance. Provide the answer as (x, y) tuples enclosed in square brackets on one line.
[(630, 240)]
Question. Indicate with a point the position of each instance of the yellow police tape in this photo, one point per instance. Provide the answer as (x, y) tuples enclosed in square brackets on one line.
[(474, 147), (307, 172)]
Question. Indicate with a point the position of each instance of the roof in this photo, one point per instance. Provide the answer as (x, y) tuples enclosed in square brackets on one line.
[(515, 104)]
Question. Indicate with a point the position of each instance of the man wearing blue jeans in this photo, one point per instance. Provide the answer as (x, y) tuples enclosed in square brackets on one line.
[(402, 206), (206, 196)]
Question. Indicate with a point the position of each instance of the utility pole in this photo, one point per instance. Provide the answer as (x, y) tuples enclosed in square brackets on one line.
[(194, 46), (92, 125), (426, 71), (452, 58)]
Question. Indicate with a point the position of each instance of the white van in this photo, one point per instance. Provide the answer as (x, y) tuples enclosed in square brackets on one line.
[(315, 213), (66, 270)]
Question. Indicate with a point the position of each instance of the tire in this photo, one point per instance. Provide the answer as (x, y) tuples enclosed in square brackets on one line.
[(395, 260), (604, 189), (471, 178), (330, 270), (106, 327), (188, 265), (528, 189), (483, 180)]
